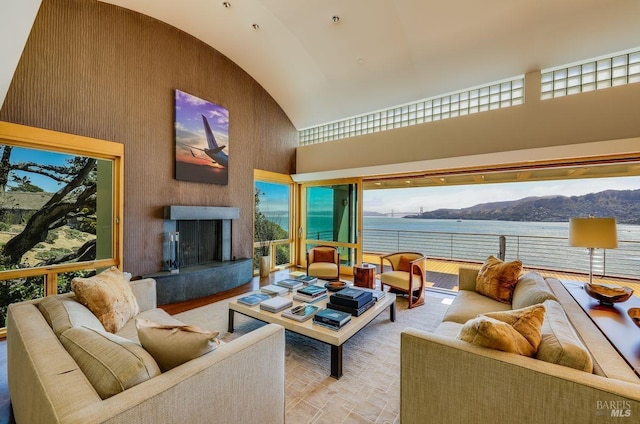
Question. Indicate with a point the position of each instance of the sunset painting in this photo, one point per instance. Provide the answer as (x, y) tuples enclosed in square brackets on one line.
[(202, 140)]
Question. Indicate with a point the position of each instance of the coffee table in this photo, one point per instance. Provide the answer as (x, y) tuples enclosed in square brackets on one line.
[(334, 338)]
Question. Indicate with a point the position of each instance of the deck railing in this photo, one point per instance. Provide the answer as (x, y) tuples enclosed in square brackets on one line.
[(552, 253)]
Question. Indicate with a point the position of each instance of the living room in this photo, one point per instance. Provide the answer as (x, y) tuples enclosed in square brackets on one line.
[(96, 70)]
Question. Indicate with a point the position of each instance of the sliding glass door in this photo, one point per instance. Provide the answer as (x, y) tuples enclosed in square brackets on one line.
[(331, 216)]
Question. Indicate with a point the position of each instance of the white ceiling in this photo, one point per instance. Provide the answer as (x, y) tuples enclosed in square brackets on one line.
[(384, 53)]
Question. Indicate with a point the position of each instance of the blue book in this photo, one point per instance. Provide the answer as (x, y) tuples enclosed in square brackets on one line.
[(312, 291), (253, 299)]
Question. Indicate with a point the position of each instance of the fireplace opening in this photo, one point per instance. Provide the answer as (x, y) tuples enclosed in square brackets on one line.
[(200, 241)]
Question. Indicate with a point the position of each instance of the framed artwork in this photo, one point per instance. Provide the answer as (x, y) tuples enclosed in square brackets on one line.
[(202, 140)]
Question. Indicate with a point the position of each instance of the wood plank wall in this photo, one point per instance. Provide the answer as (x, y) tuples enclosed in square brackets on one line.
[(101, 71)]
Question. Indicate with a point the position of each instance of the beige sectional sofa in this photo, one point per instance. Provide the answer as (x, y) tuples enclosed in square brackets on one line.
[(241, 381), (576, 377)]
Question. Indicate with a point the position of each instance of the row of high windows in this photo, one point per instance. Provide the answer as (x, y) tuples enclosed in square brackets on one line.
[(494, 96), (590, 75)]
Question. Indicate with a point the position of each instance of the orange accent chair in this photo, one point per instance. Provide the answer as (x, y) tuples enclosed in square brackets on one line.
[(324, 262), (407, 275)]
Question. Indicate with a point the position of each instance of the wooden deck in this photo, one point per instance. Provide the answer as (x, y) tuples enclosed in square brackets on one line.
[(437, 266)]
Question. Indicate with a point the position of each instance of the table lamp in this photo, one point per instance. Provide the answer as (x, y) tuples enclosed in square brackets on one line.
[(593, 233)]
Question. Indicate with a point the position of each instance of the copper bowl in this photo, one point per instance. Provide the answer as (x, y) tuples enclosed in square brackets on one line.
[(335, 286), (608, 295), (634, 314)]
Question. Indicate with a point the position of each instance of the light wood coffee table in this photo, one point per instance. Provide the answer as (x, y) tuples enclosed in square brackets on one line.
[(317, 332)]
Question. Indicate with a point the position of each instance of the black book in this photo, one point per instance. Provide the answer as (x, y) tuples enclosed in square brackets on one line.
[(352, 311), (358, 302), (332, 317)]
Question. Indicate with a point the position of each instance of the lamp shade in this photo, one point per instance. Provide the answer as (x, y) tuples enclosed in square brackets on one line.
[(593, 233)]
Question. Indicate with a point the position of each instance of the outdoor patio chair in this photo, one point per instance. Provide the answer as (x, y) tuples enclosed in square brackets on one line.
[(407, 275)]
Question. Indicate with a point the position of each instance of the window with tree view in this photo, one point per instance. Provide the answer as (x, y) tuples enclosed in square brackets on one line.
[(56, 209)]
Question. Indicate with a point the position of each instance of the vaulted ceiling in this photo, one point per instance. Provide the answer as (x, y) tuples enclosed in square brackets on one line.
[(324, 60)]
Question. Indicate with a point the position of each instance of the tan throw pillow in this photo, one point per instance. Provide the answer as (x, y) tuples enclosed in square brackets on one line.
[(111, 363), (526, 321), (516, 331), (109, 296), (173, 345), (498, 279)]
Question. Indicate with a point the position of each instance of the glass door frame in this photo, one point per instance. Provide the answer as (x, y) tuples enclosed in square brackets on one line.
[(284, 179), (302, 223)]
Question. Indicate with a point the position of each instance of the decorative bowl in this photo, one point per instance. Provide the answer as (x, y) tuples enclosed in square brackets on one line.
[(634, 314), (335, 285), (608, 295)]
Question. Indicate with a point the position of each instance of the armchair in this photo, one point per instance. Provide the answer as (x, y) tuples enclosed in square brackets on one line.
[(323, 262), (407, 275)]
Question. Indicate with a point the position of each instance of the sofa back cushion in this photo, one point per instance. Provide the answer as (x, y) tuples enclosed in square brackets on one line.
[(531, 289), (63, 312), (111, 363), (560, 344)]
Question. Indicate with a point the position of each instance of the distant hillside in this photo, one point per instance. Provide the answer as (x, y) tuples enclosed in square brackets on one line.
[(624, 205)]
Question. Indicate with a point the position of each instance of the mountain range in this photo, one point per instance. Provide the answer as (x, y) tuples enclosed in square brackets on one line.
[(624, 205)]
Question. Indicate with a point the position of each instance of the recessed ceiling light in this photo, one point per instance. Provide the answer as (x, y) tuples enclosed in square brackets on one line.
[(407, 181), (377, 183), (255, 26), (335, 19), (226, 4), (360, 61)]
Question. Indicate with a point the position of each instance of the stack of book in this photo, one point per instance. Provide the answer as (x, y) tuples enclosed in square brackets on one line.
[(354, 301), (253, 299), (274, 290), (301, 312), (276, 304), (310, 294), (331, 318), (290, 284)]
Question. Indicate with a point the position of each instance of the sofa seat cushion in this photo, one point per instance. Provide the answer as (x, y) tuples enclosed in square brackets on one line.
[(531, 290), (469, 304), (173, 345), (560, 344), (448, 329), (63, 312), (497, 279), (158, 315), (111, 363), (400, 279), (109, 296)]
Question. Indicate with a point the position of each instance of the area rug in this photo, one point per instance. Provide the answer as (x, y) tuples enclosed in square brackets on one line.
[(369, 390)]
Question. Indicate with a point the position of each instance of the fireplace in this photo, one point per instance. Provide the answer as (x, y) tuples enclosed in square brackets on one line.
[(204, 235)]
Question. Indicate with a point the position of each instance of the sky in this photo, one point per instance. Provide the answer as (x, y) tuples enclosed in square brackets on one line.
[(21, 154), (456, 197), (190, 129)]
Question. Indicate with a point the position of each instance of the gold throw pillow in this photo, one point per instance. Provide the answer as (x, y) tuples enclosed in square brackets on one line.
[(498, 279), (109, 296), (173, 345), (518, 331)]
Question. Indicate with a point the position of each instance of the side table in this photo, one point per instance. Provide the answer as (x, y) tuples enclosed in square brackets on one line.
[(364, 275)]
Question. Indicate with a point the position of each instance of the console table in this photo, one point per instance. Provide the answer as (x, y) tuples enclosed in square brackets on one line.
[(613, 322)]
